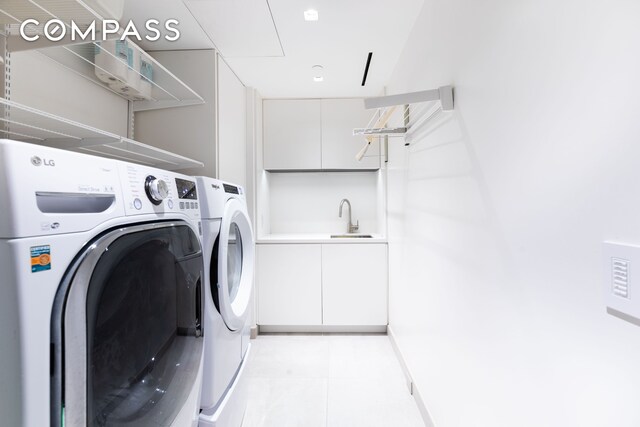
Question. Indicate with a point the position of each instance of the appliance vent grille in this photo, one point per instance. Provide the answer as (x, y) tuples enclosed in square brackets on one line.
[(620, 277)]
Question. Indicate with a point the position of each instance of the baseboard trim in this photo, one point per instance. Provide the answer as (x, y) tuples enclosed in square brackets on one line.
[(321, 329), (413, 389), (253, 333)]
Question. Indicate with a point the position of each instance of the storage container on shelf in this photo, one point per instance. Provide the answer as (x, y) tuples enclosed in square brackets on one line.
[(112, 61), (146, 77), (126, 87), (133, 76), (141, 76), (117, 63)]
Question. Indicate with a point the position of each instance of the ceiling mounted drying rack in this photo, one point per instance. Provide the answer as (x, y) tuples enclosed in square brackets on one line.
[(417, 109)]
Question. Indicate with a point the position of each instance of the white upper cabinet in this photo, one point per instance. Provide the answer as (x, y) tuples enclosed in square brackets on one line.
[(339, 146), (303, 134), (292, 134)]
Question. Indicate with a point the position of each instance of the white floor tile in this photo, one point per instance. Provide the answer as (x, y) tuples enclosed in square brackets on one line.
[(289, 402), (368, 356), (371, 403), (290, 356), (327, 381)]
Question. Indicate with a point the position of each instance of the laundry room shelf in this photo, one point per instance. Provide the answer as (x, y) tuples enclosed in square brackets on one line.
[(417, 108), (22, 123), (167, 90)]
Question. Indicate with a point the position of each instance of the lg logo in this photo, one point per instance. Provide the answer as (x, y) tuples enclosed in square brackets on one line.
[(37, 161)]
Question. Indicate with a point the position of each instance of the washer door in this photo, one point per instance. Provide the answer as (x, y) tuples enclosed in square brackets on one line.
[(234, 265), (127, 328)]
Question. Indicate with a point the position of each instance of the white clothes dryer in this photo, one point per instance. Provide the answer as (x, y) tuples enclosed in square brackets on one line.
[(228, 247), (100, 294)]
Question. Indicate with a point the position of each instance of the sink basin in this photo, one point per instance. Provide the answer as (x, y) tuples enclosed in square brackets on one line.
[(351, 236)]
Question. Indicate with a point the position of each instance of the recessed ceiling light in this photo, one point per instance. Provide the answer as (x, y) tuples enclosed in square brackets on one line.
[(318, 78), (311, 15)]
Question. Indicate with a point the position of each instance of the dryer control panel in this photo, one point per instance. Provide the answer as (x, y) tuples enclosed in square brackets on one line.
[(214, 195)]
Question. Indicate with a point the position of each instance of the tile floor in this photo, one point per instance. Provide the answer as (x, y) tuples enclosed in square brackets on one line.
[(327, 381)]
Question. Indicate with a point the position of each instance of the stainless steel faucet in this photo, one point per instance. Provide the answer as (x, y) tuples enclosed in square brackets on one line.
[(352, 228)]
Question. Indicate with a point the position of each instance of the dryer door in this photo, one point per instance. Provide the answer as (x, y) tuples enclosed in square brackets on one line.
[(127, 328), (234, 265)]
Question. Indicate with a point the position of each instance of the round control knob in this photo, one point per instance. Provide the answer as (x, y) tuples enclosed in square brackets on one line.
[(157, 190)]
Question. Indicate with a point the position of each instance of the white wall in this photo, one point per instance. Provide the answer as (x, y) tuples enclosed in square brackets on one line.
[(189, 131), (308, 202), (232, 126), (497, 215), (39, 82)]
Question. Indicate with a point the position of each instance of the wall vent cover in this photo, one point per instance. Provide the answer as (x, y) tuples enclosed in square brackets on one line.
[(620, 277)]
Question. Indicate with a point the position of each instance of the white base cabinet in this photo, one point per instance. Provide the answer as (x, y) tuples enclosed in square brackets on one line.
[(354, 284), (289, 284), (322, 284)]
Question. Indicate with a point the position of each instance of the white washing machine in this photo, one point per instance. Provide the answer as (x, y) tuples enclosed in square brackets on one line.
[(101, 296), (228, 248)]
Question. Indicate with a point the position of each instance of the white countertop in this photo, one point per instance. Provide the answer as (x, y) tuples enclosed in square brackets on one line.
[(317, 238)]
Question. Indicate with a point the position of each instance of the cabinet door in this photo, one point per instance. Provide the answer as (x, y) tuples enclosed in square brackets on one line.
[(339, 146), (354, 284), (292, 135), (288, 279)]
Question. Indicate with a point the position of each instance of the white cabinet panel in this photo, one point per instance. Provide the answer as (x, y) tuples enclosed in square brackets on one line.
[(289, 284), (292, 134), (316, 134), (339, 146), (354, 284), (232, 126)]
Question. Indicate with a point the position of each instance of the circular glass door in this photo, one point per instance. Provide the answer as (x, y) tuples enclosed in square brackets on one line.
[(232, 265), (130, 328), (234, 260)]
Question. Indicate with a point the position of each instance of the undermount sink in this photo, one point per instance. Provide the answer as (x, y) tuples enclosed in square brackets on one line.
[(351, 236)]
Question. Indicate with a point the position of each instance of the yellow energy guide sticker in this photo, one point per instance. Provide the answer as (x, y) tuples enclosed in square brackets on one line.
[(40, 258)]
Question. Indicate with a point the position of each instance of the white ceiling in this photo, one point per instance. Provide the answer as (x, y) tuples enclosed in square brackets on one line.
[(272, 48), (239, 28), (191, 34)]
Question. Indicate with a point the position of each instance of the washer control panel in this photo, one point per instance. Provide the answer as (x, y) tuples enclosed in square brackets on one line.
[(157, 189), (149, 190), (187, 194)]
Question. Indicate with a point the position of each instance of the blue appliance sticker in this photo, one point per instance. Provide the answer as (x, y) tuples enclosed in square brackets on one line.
[(40, 258)]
